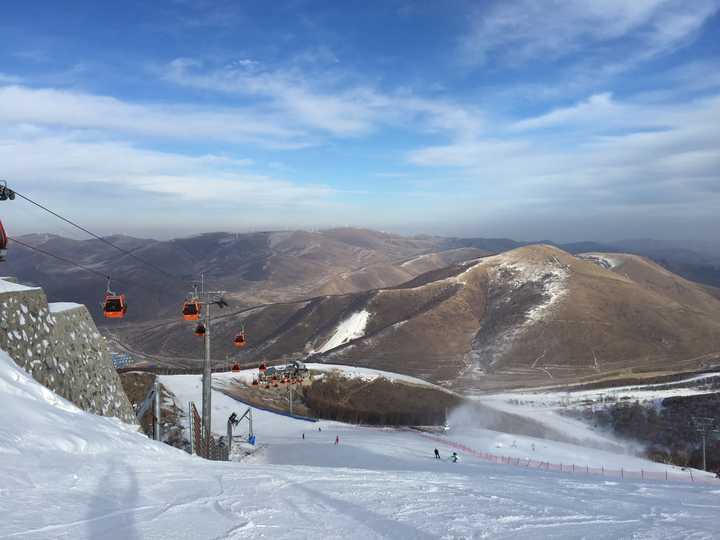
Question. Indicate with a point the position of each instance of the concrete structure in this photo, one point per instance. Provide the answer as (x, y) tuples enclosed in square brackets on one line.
[(60, 346)]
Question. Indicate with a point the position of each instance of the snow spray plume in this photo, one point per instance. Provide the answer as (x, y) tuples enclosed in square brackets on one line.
[(475, 415)]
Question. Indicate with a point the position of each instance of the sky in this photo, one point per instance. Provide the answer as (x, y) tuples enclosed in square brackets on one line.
[(563, 120)]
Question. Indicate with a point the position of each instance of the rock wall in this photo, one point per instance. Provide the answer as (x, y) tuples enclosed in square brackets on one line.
[(60, 346)]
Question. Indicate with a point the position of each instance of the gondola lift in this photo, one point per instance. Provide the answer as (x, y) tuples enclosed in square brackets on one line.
[(200, 330), (240, 340), (114, 305), (3, 242), (191, 310), (5, 192)]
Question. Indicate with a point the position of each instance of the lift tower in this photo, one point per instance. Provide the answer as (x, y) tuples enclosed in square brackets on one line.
[(208, 299)]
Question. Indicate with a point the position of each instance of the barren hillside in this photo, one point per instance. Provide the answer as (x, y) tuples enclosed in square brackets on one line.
[(532, 316), (255, 268)]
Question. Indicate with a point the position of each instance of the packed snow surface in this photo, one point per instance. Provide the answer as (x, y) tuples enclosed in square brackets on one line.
[(546, 407), (57, 307), (351, 328), (9, 286), (550, 399), (67, 474)]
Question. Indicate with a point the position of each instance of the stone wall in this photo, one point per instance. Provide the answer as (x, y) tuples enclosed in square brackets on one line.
[(60, 346)]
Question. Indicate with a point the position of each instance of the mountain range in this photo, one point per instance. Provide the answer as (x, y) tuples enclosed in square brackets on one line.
[(472, 314)]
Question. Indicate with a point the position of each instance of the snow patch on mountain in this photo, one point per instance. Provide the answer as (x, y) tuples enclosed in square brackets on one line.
[(351, 328), (534, 282), (601, 259), (553, 278)]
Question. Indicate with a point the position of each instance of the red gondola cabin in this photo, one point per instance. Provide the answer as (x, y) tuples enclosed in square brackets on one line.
[(239, 341), (191, 310), (114, 306), (3, 242)]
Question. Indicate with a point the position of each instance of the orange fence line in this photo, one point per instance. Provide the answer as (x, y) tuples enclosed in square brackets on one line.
[(574, 469)]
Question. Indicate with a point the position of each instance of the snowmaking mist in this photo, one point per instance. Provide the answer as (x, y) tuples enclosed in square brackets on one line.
[(475, 415)]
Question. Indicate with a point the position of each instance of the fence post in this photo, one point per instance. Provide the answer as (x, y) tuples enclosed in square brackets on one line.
[(587, 469), (190, 428), (622, 473), (666, 475), (573, 467), (691, 476), (642, 474), (603, 469)]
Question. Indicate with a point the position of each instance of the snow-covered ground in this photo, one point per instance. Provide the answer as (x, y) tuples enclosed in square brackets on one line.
[(527, 402), (246, 376), (368, 374), (546, 407), (9, 286), (68, 474), (58, 307)]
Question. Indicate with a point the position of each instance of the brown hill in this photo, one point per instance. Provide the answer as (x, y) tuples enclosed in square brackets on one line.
[(532, 316)]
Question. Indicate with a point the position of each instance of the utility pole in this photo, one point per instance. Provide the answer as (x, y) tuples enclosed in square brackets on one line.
[(704, 426), (207, 385), (291, 389), (156, 431)]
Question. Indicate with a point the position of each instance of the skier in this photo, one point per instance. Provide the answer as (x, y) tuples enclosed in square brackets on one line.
[(454, 457), (437, 454), (303, 436), (319, 429), (337, 439)]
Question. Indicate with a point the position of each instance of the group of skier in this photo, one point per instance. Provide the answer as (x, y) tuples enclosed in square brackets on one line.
[(454, 457), (337, 437)]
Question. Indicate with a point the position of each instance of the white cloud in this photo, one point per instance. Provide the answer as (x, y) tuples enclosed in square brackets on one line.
[(598, 106), (50, 107), (598, 150), (350, 111), (341, 113), (49, 159), (526, 29)]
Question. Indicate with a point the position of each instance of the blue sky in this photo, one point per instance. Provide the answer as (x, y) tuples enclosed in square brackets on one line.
[(563, 120)]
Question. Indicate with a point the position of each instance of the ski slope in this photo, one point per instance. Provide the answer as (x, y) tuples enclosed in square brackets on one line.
[(352, 327), (546, 407), (71, 475)]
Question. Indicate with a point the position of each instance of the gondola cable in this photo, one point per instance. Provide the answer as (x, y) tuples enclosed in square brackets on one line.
[(58, 257), (78, 265), (98, 237)]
